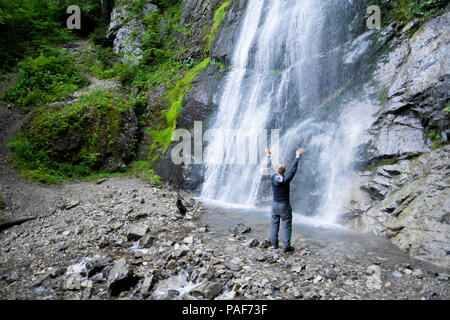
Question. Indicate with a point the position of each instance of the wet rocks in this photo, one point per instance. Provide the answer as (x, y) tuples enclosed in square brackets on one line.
[(121, 278), (137, 231), (146, 286), (188, 240), (374, 280), (240, 229), (252, 243), (233, 266), (405, 197), (209, 290), (96, 265), (147, 241)]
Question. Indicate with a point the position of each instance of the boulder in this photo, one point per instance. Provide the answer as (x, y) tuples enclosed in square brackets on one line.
[(208, 290), (136, 232), (374, 280), (121, 278)]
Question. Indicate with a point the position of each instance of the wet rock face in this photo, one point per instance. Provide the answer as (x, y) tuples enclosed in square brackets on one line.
[(416, 94), (199, 16), (199, 104), (222, 49), (407, 201)]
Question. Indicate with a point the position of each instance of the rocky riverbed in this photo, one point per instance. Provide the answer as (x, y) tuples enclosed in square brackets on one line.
[(123, 238)]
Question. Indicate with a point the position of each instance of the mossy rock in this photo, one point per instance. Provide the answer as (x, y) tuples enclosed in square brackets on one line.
[(62, 141)]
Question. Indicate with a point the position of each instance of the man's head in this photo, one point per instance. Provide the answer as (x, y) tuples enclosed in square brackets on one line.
[(282, 170)]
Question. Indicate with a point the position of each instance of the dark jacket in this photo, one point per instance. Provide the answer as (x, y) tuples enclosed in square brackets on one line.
[(281, 185)]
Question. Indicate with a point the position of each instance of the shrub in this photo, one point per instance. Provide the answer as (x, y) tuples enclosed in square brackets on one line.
[(404, 11), (50, 77)]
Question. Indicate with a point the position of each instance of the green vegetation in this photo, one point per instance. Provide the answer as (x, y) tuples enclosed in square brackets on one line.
[(28, 26), (383, 96), (446, 110), (219, 15), (435, 139), (144, 171), (381, 163), (70, 141), (2, 203), (163, 136), (404, 11), (50, 77)]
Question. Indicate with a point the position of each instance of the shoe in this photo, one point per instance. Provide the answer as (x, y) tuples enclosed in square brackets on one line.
[(288, 249), (274, 247)]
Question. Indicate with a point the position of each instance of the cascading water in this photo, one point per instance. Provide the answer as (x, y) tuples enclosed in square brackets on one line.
[(284, 70)]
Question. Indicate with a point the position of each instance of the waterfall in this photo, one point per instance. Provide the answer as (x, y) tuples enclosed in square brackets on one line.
[(281, 72)]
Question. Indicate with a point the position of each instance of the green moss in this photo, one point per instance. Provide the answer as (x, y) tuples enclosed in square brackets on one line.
[(383, 97), (144, 171), (384, 162), (446, 110), (219, 64), (219, 15), (91, 127), (435, 139), (162, 136), (2, 203)]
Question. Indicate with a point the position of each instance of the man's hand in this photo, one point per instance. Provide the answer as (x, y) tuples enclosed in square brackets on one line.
[(299, 152), (268, 152)]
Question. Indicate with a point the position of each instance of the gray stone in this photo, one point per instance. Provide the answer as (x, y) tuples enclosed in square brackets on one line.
[(146, 241), (233, 266), (136, 231), (374, 280), (443, 276), (397, 274), (188, 240), (407, 202), (127, 33), (209, 290), (121, 277), (317, 279), (252, 243), (147, 285)]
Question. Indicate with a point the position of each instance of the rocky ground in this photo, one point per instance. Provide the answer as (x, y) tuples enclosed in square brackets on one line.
[(123, 238), (126, 239)]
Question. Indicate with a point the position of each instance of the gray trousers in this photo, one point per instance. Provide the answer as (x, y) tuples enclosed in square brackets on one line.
[(281, 211)]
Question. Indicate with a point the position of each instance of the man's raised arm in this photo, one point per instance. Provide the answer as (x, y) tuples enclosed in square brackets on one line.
[(293, 171)]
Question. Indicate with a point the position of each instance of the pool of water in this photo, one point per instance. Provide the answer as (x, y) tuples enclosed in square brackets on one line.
[(331, 241)]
